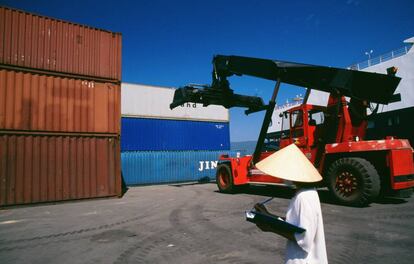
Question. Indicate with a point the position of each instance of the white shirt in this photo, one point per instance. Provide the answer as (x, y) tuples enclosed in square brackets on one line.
[(305, 211)]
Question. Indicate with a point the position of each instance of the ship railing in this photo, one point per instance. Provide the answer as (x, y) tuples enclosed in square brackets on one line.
[(382, 58), (278, 107)]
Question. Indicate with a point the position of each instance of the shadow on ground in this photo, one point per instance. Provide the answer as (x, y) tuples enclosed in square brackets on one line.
[(391, 200), (324, 195), (284, 192)]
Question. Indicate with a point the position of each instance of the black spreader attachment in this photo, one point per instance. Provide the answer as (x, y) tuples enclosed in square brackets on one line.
[(210, 96)]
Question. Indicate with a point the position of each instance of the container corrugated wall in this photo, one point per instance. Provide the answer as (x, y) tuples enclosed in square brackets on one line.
[(154, 167), (59, 110), (46, 103), (157, 134), (38, 42), (45, 168), (154, 102)]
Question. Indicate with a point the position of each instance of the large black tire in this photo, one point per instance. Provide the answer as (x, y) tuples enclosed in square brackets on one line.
[(224, 178), (353, 181)]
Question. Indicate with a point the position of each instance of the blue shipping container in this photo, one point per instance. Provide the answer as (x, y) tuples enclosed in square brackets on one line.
[(142, 134), (153, 167)]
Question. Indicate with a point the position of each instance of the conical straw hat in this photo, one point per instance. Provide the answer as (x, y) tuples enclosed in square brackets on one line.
[(290, 164)]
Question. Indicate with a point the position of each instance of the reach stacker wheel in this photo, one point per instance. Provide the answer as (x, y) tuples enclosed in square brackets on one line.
[(224, 178), (353, 181)]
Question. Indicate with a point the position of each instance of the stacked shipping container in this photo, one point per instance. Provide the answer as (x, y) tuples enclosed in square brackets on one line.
[(149, 124), (161, 145), (149, 167), (37, 167), (172, 135), (37, 102), (41, 43), (59, 110)]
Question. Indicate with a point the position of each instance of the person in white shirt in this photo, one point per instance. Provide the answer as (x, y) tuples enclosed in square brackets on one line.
[(304, 209)]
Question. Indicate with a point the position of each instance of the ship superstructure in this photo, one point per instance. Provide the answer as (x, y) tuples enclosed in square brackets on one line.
[(394, 119)]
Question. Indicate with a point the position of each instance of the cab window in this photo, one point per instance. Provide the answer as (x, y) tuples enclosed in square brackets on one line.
[(297, 118), (316, 118), (285, 121), (285, 125)]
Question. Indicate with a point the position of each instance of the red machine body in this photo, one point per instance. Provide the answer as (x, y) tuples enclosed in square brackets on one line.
[(392, 159)]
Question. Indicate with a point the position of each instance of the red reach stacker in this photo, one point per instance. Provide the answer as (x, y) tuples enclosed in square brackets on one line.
[(355, 170)]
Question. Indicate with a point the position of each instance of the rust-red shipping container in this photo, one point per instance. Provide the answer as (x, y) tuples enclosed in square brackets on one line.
[(39, 102), (46, 168), (38, 42)]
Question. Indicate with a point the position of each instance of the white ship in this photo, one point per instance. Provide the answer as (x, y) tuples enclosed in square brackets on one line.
[(276, 129), (276, 124), (394, 119)]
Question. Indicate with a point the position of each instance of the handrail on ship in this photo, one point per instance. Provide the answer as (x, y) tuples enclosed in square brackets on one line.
[(382, 58), (278, 107)]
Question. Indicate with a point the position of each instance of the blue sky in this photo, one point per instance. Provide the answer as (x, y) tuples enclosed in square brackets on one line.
[(171, 43)]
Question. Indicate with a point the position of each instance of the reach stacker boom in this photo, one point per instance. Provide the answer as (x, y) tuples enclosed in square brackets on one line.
[(355, 170)]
